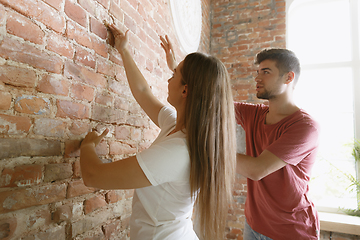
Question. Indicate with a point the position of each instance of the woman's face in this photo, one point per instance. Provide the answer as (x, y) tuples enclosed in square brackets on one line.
[(176, 87)]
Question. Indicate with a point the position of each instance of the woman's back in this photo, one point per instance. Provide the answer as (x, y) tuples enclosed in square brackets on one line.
[(164, 210)]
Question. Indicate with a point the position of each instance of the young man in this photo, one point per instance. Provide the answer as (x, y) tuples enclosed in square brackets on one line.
[(281, 145)]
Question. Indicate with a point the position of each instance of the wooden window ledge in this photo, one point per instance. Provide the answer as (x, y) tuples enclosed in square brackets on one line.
[(339, 223)]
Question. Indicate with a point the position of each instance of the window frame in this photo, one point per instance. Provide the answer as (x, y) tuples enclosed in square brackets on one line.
[(354, 64)]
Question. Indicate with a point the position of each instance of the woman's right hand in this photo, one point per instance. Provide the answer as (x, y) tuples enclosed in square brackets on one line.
[(121, 38)]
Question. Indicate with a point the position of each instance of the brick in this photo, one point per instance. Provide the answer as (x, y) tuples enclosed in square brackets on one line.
[(82, 92), (115, 57), (77, 188), (122, 132), (5, 100), (108, 115), (63, 213), (143, 145), (7, 228), (21, 26), (60, 45), (76, 169), (150, 134), (138, 121), (104, 3), (102, 98), (119, 148), (89, 6), (116, 11), (79, 128), (84, 75), (113, 229), (88, 223), (122, 103), (54, 84), (94, 203), (17, 76), (84, 57), (57, 171), (75, 32), (39, 11), (32, 105), (50, 127), (105, 67), (28, 197), (54, 233), (25, 53), (21, 176), (125, 223), (98, 28), (9, 148), (119, 88), (100, 46), (76, 13), (136, 134), (112, 196), (38, 218), (97, 236), (55, 3), (72, 110), (14, 124)]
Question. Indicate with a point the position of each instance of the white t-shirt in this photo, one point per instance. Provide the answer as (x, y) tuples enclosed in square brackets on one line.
[(163, 210)]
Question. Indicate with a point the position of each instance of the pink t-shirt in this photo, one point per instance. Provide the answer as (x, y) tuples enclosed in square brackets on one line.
[(278, 205)]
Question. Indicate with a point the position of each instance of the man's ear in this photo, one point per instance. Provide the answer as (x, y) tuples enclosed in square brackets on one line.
[(185, 91), (290, 76)]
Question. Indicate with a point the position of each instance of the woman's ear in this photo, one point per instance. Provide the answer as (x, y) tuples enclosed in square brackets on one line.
[(185, 91)]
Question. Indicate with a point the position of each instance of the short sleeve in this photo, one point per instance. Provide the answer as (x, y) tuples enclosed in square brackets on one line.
[(167, 116), (297, 142), (167, 161)]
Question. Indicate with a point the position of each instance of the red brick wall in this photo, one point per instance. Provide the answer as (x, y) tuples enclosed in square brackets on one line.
[(240, 29), (58, 79)]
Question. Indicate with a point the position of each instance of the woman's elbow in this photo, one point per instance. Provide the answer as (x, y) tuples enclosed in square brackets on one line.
[(87, 178), (256, 175)]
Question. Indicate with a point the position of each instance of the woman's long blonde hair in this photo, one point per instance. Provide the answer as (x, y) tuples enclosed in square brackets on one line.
[(210, 127)]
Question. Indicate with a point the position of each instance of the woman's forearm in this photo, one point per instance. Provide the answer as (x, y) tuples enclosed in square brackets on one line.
[(88, 163), (137, 82)]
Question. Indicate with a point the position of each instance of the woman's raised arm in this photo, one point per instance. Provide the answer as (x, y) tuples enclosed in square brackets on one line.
[(138, 85)]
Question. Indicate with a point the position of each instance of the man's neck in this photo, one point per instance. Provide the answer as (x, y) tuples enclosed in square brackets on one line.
[(279, 109)]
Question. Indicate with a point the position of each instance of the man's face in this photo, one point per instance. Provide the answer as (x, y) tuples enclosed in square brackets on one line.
[(269, 83)]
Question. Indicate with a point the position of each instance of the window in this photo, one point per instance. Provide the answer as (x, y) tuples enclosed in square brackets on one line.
[(325, 34)]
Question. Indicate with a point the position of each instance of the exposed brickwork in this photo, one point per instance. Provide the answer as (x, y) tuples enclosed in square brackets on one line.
[(240, 29), (59, 78)]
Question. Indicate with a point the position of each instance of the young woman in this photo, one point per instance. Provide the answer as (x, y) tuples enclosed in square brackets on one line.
[(192, 161)]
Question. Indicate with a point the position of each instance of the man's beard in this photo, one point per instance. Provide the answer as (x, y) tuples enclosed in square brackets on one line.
[(266, 95)]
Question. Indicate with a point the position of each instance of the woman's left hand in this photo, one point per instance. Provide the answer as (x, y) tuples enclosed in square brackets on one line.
[(92, 138)]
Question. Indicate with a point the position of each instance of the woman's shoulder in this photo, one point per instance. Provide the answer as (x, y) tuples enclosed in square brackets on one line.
[(166, 117)]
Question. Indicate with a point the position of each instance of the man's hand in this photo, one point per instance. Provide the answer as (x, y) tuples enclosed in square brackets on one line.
[(92, 138), (169, 51)]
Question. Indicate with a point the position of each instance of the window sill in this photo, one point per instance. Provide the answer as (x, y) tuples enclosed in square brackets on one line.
[(340, 223)]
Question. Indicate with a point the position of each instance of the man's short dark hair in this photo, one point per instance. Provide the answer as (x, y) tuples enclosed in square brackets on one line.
[(286, 60)]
